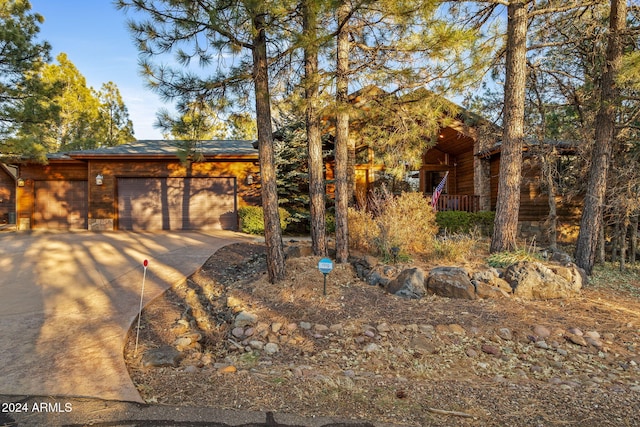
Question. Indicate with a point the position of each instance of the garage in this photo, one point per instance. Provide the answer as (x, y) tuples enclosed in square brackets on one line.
[(207, 203), (60, 205)]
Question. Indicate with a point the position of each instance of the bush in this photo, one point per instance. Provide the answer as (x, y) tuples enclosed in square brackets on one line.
[(406, 222), (454, 221), (252, 219), (454, 247), (466, 222)]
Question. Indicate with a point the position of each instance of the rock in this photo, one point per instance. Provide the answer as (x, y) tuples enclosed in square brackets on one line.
[(275, 327), (505, 334), (372, 347), (456, 329), (376, 279), (597, 343), (451, 282), (383, 327), (560, 257), (408, 284), (491, 349), (471, 352), (163, 356), (244, 318), (491, 278), (535, 281), (592, 334), (305, 325), (271, 348), (422, 345), (256, 345), (228, 370), (576, 339), (237, 332), (575, 331), (486, 291), (571, 273), (541, 331), (542, 344)]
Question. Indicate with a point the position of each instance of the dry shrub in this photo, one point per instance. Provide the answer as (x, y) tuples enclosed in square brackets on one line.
[(407, 222), (455, 248), (363, 229)]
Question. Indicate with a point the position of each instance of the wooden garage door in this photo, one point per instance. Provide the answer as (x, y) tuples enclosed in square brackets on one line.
[(60, 205), (177, 204)]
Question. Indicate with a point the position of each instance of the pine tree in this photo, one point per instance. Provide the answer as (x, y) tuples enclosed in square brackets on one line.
[(211, 32)]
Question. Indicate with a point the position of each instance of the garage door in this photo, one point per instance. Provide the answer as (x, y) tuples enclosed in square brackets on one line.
[(177, 204), (60, 205)]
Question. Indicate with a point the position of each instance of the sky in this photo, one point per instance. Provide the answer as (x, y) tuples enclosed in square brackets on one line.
[(94, 35)]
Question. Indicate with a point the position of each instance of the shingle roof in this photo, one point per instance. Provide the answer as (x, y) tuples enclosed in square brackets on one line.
[(166, 148)]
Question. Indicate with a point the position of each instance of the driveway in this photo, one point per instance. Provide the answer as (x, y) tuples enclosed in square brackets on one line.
[(67, 301)]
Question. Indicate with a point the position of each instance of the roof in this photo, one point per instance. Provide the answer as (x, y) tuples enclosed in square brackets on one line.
[(144, 149), (564, 146)]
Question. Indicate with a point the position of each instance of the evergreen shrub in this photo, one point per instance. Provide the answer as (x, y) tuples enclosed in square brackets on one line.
[(252, 219)]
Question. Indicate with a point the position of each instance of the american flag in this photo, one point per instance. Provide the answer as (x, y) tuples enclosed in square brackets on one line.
[(438, 191)]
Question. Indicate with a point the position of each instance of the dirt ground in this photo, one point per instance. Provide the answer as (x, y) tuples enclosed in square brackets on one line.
[(363, 354)]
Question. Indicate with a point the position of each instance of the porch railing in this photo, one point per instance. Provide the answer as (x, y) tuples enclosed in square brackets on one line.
[(458, 202)]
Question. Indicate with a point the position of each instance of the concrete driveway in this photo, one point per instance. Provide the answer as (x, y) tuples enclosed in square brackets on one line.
[(67, 301)]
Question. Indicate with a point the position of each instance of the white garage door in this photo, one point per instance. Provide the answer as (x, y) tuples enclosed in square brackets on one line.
[(177, 204)]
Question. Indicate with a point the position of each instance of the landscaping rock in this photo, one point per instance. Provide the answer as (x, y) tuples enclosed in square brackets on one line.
[(408, 284), (451, 282), (163, 356), (244, 318), (535, 281)]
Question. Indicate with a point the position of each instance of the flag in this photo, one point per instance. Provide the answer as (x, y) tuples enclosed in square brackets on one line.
[(437, 191)]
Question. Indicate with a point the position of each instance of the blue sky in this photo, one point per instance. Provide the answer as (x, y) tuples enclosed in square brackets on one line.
[(94, 36)]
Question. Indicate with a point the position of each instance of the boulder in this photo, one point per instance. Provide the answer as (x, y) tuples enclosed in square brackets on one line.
[(486, 291), (408, 284), (451, 282), (535, 281), (163, 356), (491, 276), (572, 273)]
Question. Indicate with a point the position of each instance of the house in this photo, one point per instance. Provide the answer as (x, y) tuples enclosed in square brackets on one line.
[(7, 194), (467, 151), (139, 186)]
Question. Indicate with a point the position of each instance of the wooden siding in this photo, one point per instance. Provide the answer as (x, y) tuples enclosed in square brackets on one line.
[(534, 204), (7, 195), (102, 199)]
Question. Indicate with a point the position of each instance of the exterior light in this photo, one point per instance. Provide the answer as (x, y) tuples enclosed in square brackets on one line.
[(249, 180), (99, 179), (20, 182)]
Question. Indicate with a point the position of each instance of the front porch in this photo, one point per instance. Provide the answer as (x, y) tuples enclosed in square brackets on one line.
[(458, 202)]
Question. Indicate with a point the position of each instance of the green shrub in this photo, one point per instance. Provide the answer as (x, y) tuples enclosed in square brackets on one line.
[(483, 220), (252, 219), (456, 222)]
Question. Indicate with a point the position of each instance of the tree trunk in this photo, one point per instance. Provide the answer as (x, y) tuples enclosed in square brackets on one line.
[(314, 141), (272, 231), (508, 204), (602, 250), (633, 240), (549, 170), (595, 198), (342, 136)]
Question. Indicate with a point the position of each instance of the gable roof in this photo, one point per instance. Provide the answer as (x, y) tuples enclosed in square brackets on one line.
[(159, 149)]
